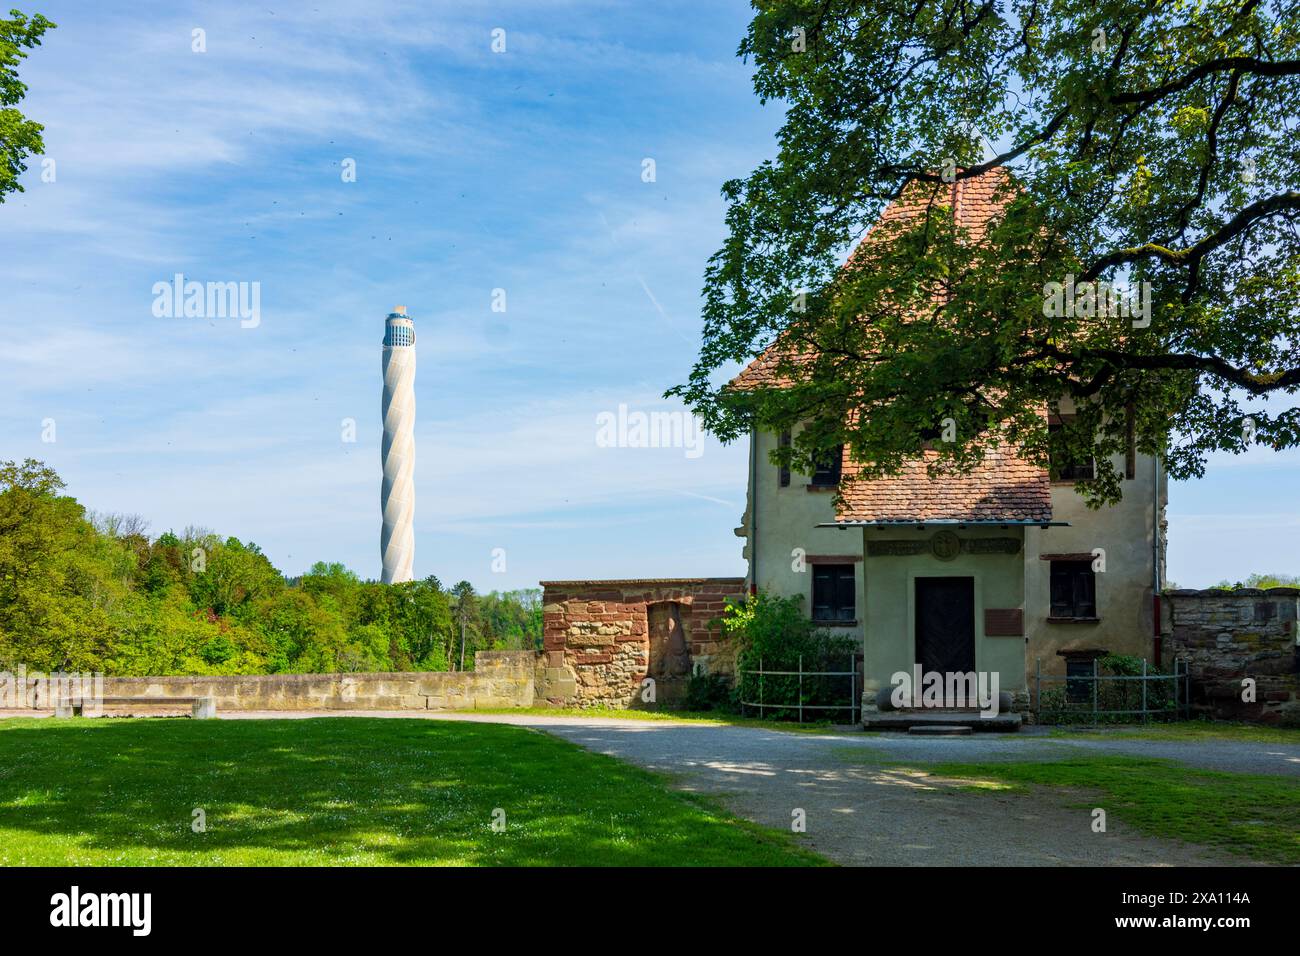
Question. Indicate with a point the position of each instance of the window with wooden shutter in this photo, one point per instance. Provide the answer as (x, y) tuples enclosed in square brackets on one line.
[(834, 593), (1074, 590)]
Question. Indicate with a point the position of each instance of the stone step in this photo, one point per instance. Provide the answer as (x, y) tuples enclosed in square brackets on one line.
[(939, 730), (907, 719)]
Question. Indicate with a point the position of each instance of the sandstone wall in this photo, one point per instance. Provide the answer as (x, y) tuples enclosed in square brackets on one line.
[(499, 679), (1226, 636), (601, 639)]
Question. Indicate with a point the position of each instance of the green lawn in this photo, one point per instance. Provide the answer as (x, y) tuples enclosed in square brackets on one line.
[(346, 791), (1255, 816), (1193, 730)]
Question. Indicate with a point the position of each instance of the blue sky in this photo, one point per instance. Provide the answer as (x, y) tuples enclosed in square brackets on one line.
[(476, 171)]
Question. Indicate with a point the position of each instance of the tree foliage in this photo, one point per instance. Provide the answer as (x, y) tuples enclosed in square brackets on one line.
[(19, 136), (1147, 145), (92, 592)]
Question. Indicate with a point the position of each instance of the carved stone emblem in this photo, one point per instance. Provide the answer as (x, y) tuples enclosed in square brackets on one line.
[(945, 545)]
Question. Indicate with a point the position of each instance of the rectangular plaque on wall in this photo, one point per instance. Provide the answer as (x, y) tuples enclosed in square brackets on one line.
[(1004, 622)]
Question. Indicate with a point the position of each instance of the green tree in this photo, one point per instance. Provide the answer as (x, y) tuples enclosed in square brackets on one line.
[(56, 581), (335, 580), (1147, 144), (301, 636), (19, 136), (83, 591), (1261, 581), (232, 576), (161, 567), (423, 619), (512, 619), (466, 613)]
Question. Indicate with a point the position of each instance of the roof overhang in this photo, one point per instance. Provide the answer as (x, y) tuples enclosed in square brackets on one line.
[(944, 523)]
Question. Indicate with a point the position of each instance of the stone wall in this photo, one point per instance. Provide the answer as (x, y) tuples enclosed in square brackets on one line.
[(601, 639), (1226, 636), (499, 679)]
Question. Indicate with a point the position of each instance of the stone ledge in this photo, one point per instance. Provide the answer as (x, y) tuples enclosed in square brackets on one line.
[(636, 582), (1233, 593)]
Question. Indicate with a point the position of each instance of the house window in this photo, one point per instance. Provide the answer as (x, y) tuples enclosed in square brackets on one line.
[(1069, 470), (834, 593), (1074, 590), (827, 474), (785, 469)]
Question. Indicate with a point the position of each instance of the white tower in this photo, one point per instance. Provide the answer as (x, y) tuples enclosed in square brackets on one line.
[(397, 497)]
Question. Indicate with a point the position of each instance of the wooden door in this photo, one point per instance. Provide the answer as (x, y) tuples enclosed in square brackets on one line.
[(945, 624)]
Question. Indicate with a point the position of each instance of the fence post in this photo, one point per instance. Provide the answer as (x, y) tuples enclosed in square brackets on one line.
[(1187, 691), (1038, 687), (801, 688), (1144, 690), (853, 689), (1178, 697), (760, 688), (1094, 690)]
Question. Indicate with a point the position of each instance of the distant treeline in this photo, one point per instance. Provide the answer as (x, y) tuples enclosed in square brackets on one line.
[(87, 592)]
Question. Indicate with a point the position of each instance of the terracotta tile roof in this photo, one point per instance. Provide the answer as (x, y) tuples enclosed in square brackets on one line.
[(974, 202), (1005, 487), (762, 371)]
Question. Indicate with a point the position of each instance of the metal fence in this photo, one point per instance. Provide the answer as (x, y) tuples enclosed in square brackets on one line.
[(853, 706), (1097, 696)]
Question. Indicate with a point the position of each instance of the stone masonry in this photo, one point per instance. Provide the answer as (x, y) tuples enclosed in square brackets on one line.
[(1226, 636), (602, 639), (499, 679)]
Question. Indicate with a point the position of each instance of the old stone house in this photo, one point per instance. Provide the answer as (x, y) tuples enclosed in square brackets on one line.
[(991, 571)]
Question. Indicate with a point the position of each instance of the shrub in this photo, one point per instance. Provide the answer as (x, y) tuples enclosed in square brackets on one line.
[(773, 633), (709, 692), (1113, 697)]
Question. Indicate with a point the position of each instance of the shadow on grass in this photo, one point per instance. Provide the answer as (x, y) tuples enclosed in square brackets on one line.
[(346, 790)]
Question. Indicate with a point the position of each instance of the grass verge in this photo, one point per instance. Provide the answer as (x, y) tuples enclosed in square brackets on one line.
[(352, 790), (1246, 814), (1192, 730)]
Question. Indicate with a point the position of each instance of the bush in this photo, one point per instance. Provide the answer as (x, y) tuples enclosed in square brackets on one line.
[(773, 633), (709, 692), (1113, 697)]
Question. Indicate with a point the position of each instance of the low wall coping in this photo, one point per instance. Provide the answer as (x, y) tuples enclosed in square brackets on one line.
[(1233, 592), (290, 678), (525, 658), (626, 582)]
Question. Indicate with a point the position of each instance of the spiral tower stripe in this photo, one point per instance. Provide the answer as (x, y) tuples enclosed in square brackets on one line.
[(397, 495)]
